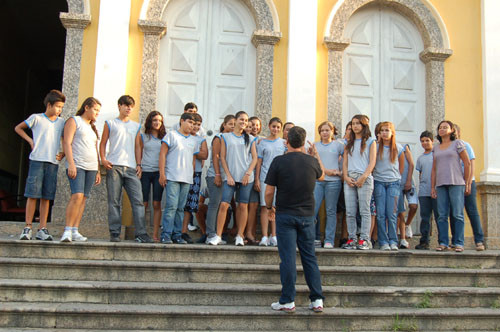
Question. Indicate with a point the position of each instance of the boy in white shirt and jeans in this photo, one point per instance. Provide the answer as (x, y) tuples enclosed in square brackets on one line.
[(122, 170), (47, 129)]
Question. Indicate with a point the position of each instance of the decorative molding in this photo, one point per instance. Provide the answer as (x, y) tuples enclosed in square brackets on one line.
[(336, 45), (74, 21), (152, 27), (435, 54), (265, 37)]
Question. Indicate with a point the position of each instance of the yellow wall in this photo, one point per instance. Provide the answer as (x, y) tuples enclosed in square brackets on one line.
[(280, 63), (134, 65)]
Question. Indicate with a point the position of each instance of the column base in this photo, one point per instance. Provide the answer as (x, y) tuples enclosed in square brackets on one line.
[(490, 212)]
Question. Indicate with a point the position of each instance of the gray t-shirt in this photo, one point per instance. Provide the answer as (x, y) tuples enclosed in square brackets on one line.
[(179, 165), (198, 164), (329, 155), (448, 166), (424, 166), (83, 146), (211, 170), (385, 170), (267, 150), (150, 153), (356, 161), (122, 142), (46, 137), (238, 155)]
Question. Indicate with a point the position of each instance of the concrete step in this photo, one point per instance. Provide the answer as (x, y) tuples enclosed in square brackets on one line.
[(63, 269), (130, 251), (151, 317), (140, 293)]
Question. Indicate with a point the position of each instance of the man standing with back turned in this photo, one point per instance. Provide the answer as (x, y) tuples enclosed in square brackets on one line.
[(295, 175)]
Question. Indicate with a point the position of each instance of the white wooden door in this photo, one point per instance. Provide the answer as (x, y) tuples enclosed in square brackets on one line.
[(207, 57), (383, 75)]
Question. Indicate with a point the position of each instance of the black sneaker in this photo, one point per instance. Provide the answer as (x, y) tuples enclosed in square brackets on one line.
[(224, 237), (179, 241), (115, 237), (143, 238), (202, 239), (422, 246), (187, 238)]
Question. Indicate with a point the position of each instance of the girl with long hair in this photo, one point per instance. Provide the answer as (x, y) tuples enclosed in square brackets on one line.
[(239, 157), (255, 125), (387, 176), (82, 161), (359, 161), (147, 153), (330, 152), (267, 149), (449, 184)]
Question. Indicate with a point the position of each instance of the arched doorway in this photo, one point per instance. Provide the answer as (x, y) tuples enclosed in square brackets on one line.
[(207, 57), (383, 76)]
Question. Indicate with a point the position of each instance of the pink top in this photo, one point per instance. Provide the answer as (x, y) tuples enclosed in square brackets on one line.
[(448, 167)]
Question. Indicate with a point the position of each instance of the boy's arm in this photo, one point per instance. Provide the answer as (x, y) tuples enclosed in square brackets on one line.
[(411, 165), (203, 154), (256, 184), (102, 147), (138, 154), (19, 129), (161, 164)]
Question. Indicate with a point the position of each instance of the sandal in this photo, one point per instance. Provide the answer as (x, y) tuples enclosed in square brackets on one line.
[(250, 242), (480, 246), (459, 249), (442, 247)]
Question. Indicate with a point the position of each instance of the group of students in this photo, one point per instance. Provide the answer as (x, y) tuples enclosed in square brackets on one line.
[(364, 176)]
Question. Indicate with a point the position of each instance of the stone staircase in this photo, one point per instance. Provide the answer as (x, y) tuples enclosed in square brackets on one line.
[(100, 286)]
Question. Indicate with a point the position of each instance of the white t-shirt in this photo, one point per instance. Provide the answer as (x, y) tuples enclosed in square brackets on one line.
[(84, 145), (179, 164), (122, 142), (267, 150), (46, 137), (238, 155)]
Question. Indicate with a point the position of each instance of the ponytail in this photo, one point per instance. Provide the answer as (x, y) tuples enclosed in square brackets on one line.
[(89, 102)]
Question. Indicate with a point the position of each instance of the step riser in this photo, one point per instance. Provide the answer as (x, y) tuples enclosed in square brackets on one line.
[(238, 298), (283, 322), (227, 255), (269, 275)]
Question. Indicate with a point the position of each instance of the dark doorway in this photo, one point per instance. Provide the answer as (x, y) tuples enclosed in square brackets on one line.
[(32, 47)]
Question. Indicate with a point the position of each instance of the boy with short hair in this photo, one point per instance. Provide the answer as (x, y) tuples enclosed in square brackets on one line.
[(427, 203), (177, 157), (122, 170), (194, 189), (47, 129), (193, 109)]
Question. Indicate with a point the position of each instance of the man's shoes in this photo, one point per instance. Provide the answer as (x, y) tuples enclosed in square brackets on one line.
[(43, 234), (316, 305), (385, 247), (180, 241), (317, 243), (26, 234), (143, 238), (66, 237), (394, 247), (238, 241), (114, 237), (202, 239), (214, 240), (77, 237), (287, 307), (422, 246), (166, 240), (187, 238)]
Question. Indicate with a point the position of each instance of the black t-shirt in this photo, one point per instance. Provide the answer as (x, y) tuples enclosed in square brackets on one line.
[(294, 174)]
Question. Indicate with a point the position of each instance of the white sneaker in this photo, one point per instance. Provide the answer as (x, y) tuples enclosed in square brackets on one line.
[(385, 247), (26, 234), (66, 237), (264, 242), (273, 241), (77, 237), (316, 306), (288, 307), (394, 247), (328, 245), (238, 241), (409, 232), (215, 240), (404, 244), (43, 235)]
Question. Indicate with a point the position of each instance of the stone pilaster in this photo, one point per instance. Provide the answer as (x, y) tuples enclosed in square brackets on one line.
[(264, 41), (153, 32), (490, 212)]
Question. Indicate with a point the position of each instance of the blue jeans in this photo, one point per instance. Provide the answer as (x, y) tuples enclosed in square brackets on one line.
[(450, 201), (124, 177), (215, 196), (386, 199), (292, 232), (473, 214), (330, 192), (428, 205), (175, 199)]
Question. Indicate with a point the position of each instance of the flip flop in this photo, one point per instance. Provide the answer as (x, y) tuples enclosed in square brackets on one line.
[(442, 248)]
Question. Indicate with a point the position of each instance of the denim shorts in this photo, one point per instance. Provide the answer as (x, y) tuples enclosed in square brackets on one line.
[(42, 180), (412, 199), (83, 182), (242, 192), (254, 196), (148, 179)]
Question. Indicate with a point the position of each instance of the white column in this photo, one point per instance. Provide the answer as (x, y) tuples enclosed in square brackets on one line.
[(491, 86), (301, 78), (111, 57)]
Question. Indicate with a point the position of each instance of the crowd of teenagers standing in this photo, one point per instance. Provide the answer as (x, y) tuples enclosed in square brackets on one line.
[(367, 179)]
